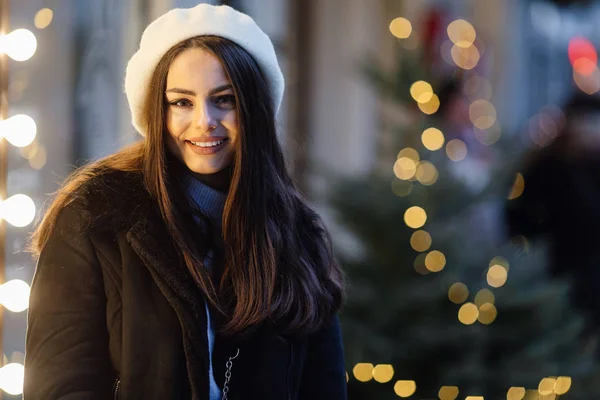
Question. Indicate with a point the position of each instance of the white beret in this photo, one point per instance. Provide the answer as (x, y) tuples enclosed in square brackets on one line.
[(180, 24)]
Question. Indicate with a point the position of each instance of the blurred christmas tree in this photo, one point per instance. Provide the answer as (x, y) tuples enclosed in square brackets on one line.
[(438, 303)]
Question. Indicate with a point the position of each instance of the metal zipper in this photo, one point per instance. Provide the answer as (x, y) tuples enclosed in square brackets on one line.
[(116, 389), (290, 370)]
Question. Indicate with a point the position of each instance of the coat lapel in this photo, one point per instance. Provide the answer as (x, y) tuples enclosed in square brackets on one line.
[(149, 239)]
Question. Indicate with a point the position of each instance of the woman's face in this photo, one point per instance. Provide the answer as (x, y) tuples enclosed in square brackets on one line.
[(201, 114)]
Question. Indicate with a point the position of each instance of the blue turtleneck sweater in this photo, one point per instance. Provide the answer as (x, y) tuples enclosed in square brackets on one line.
[(211, 202)]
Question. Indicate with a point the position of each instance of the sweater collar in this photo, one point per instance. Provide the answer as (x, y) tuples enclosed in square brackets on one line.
[(209, 200)]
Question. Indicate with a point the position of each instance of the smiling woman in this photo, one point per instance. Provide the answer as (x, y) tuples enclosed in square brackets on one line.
[(203, 124), (188, 266)]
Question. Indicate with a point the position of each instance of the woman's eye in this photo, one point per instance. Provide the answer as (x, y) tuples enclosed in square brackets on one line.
[(181, 103), (227, 99)]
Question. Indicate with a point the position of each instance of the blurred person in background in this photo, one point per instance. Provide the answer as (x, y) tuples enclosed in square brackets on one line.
[(561, 201), (188, 265)]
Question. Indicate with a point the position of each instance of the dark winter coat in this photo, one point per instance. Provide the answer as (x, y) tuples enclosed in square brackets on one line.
[(114, 314)]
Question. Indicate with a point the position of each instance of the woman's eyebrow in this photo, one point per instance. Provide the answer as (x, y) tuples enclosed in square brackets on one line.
[(192, 93)]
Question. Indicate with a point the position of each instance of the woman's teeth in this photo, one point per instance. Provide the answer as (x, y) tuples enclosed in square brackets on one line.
[(208, 144)]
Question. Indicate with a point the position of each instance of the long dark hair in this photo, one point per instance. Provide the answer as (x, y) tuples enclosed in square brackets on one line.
[(278, 259)]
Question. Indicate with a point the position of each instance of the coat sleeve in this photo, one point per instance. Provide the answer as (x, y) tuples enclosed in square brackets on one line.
[(324, 373), (66, 350)]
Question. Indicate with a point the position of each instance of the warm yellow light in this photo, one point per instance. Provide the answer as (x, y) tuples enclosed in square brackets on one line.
[(11, 378), (515, 393), (20, 44), (431, 106), (415, 217), (410, 153), (487, 313), (20, 130), (405, 388), (420, 241), (456, 150), (14, 295), (43, 18), (461, 33), (458, 293), (421, 92), (563, 384), (546, 386), (496, 276), (484, 296), (499, 260), (383, 373), (518, 187), (433, 139), (482, 114), (426, 173), (405, 168), (448, 393), (465, 58), (363, 372), (18, 210), (474, 398), (401, 28), (435, 261), (468, 313)]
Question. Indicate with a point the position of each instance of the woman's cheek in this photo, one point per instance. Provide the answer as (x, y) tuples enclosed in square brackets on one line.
[(178, 121)]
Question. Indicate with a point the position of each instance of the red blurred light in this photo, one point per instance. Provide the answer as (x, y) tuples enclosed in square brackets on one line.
[(582, 55)]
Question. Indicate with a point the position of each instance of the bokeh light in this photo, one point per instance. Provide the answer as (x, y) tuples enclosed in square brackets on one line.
[(401, 28), (14, 295), (458, 293), (410, 153), (563, 384), (419, 264), (433, 139), (43, 18), (405, 168), (20, 44), (405, 388), (420, 241), (468, 313), (448, 393), (484, 296), (18, 210), (38, 160), (456, 150), (482, 114), (487, 313), (477, 87), (497, 276), (20, 130), (415, 217), (363, 372), (383, 373), (518, 187), (515, 393), (465, 58), (426, 173), (461, 33), (421, 92), (11, 378), (431, 106), (435, 261), (488, 136), (546, 386), (581, 49)]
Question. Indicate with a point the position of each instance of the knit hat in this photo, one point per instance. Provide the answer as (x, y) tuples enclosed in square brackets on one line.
[(180, 24)]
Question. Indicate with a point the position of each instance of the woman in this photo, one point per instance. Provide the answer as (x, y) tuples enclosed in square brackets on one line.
[(188, 266)]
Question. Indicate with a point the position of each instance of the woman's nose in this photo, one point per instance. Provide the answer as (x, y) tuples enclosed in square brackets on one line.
[(206, 118)]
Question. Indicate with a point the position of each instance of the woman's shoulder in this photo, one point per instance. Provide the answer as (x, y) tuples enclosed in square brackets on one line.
[(111, 200)]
